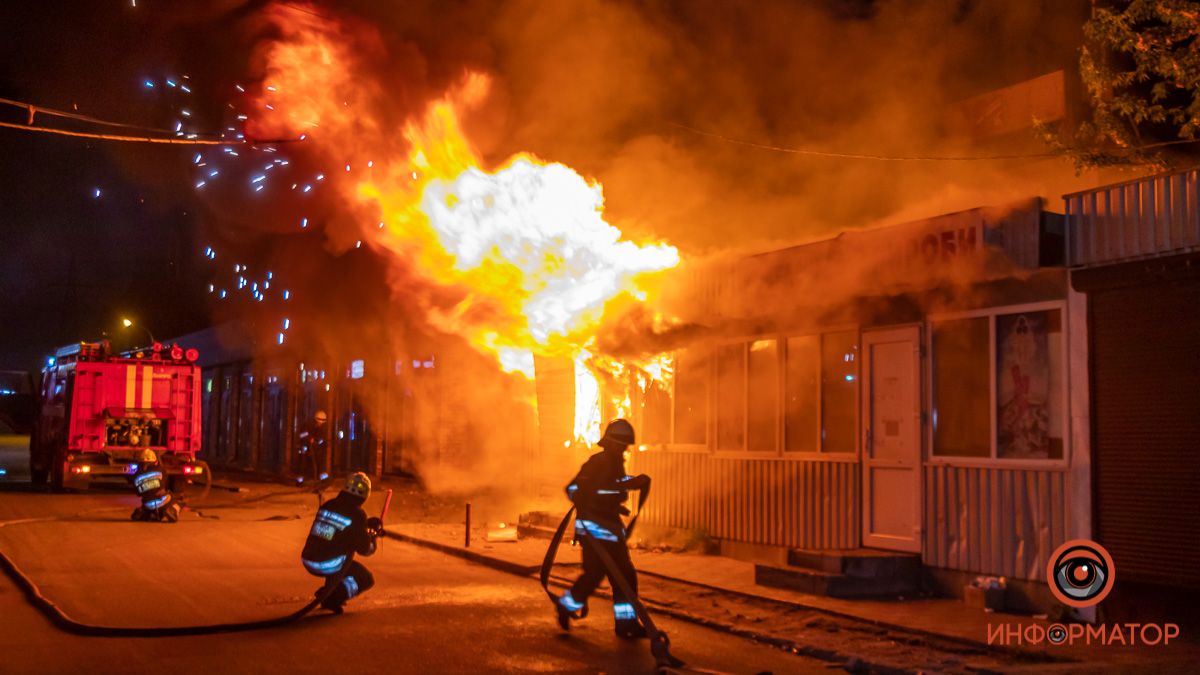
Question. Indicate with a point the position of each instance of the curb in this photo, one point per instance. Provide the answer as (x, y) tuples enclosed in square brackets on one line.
[(782, 643), (480, 558), (792, 646), (923, 632)]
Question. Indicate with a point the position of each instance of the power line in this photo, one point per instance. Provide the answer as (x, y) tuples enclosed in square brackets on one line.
[(904, 158), (33, 110), (131, 139)]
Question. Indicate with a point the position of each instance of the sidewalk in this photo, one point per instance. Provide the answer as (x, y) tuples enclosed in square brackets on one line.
[(941, 617), (937, 618)]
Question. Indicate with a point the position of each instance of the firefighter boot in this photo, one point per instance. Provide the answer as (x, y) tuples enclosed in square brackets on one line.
[(567, 608), (335, 600), (170, 513), (630, 629), (627, 624)]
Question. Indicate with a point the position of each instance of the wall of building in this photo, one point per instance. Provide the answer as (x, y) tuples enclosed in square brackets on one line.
[(990, 510)]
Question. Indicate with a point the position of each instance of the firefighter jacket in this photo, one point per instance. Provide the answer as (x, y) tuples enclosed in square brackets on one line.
[(339, 530), (312, 438), (151, 486), (599, 492)]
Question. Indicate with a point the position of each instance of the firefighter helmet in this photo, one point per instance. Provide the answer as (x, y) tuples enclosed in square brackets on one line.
[(147, 457), (619, 431), (320, 416), (358, 484)]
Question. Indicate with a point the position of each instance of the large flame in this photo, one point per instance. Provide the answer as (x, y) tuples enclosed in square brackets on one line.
[(523, 247), (525, 244)]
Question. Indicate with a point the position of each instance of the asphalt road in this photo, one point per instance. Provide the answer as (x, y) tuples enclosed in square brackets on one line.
[(237, 559)]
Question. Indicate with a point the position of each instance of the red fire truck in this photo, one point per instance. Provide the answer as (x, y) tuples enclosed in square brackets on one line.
[(98, 410)]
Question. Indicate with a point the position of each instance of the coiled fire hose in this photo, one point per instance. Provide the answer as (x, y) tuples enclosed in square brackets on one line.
[(61, 619), (660, 643)]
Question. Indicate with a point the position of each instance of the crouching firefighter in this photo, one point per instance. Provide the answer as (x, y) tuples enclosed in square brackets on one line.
[(340, 531), (599, 493), (151, 485)]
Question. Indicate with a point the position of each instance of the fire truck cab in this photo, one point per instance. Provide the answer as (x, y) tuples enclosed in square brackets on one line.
[(97, 411)]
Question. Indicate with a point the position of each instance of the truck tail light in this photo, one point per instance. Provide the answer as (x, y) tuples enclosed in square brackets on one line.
[(189, 469), (81, 469), (192, 355)]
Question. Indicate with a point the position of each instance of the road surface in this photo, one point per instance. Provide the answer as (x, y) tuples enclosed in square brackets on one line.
[(238, 560)]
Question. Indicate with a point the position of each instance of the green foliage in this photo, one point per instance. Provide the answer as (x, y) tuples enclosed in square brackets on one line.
[(1141, 75)]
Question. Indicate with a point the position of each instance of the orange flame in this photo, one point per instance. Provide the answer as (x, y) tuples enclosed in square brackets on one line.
[(526, 242)]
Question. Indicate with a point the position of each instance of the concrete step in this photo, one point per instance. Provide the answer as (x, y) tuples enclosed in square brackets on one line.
[(863, 563), (832, 585)]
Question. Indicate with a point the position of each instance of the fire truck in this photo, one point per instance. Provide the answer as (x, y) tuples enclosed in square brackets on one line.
[(98, 410)]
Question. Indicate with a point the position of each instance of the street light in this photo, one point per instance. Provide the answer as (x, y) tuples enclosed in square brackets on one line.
[(128, 323)]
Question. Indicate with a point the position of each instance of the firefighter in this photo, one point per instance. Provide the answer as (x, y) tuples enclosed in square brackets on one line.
[(599, 492), (340, 531), (151, 484), (312, 443)]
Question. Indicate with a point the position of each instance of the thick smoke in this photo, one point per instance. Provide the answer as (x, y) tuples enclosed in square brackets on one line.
[(650, 99)]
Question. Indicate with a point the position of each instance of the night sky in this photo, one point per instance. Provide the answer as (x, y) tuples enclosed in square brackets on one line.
[(72, 263)]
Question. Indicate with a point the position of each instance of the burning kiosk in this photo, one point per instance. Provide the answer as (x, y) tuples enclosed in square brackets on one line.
[(905, 389)]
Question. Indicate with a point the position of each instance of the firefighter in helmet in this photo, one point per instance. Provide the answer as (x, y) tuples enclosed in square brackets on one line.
[(312, 444), (339, 532), (151, 484), (599, 492)]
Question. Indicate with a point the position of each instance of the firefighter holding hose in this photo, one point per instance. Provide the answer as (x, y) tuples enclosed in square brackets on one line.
[(341, 530), (599, 492)]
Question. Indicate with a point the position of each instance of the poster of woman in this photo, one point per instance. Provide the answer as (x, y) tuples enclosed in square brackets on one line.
[(1023, 385)]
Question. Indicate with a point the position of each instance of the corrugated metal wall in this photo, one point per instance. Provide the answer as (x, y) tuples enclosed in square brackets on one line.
[(1154, 215), (993, 521), (780, 502)]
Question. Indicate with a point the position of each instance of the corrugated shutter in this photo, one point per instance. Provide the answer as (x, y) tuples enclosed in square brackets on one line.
[(1146, 402)]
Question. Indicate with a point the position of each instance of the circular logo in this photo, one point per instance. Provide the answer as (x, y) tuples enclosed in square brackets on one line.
[(1056, 634), (1080, 573)]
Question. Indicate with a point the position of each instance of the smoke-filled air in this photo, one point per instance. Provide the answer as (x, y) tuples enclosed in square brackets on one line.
[(521, 178)]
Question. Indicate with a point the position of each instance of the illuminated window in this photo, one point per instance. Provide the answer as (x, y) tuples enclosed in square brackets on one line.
[(731, 397), (839, 391), (1001, 372), (802, 391), (762, 396), (961, 420), (691, 397)]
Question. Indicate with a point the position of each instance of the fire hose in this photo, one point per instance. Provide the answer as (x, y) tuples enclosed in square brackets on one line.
[(660, 643), (61, 619)]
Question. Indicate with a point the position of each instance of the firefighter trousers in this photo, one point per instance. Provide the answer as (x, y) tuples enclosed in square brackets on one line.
[(594, 571), (358, 580)]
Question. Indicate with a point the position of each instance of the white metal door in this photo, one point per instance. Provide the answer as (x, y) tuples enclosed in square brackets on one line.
[(892, 439)]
